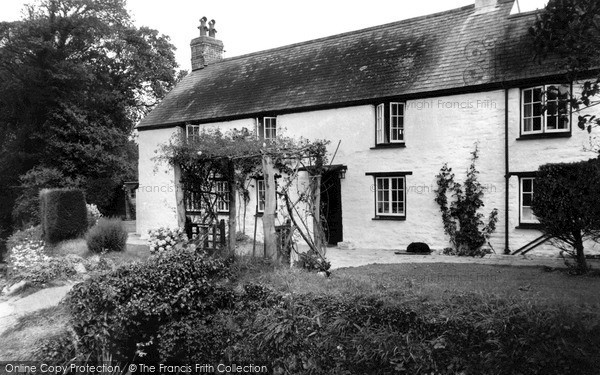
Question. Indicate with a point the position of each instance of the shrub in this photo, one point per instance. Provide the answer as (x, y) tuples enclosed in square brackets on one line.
[(166, 239), (312, 261), (566, 201), (28, 261), (21, 237), (107, 235), (93, 214), (418, 247), (136, 300), (462, 221), (63, 214)]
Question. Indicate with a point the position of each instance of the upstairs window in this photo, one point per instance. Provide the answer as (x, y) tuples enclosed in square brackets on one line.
[(389, 123), (544, 109), (266, 128), (192, 132)]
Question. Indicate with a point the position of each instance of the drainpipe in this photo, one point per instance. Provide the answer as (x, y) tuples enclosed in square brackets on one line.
[(506, 171)]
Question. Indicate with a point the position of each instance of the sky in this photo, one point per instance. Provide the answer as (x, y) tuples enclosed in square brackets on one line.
[(249, 26)]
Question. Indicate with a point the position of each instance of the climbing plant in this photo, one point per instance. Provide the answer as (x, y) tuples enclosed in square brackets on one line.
[(237, 155), (463, 222)]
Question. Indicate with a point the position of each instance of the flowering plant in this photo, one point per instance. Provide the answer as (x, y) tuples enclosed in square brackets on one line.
[(93, 214), (27, 255), (165, 239)]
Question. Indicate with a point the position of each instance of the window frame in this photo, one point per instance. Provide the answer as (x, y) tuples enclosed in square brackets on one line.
[(193, 135), (222, 192), (266, 124), (389, 176), (390, 116), (522, 178), (260, 199), (544, 131)]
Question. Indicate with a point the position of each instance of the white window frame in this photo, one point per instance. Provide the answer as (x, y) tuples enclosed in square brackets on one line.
[(521, 205), (397, 121), (222, 190), (390, 192), (385, 126), (192, 132), (267, 129), (192, 203), (544, 115), (260, 196)]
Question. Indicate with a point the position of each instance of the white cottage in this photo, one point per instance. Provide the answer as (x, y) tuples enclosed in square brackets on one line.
[(400, 100)]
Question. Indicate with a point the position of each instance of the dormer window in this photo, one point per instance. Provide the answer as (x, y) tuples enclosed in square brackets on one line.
[(266, 128), (544, 110), (389, 124)]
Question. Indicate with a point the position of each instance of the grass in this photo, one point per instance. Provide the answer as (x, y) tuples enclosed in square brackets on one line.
[(19, 342)]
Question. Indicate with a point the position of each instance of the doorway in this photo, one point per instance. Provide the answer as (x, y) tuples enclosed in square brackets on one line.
[(331, 204)]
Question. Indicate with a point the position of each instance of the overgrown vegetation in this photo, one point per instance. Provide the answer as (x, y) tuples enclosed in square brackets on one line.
[(463, 222), (107, 235), (366, 320), (567, 204)]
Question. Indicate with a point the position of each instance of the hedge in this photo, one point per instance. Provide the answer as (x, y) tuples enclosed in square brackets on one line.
[(63, 214)]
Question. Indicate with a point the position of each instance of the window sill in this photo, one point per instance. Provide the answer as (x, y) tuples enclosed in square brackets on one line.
[(388, 145), (529, 226), (392, 218), (544, 135)]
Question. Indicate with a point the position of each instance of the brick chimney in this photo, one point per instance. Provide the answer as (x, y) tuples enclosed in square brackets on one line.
[(206, 49)]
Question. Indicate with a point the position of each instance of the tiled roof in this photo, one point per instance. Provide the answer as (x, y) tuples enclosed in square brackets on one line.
[(455, 49)]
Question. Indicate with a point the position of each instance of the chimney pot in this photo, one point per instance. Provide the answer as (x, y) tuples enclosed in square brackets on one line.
[(211, 29), (202, 27), (206, 49)]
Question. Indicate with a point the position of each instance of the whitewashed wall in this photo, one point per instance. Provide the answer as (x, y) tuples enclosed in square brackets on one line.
[(437, 130)]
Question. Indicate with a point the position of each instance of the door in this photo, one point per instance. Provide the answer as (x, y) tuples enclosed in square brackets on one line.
[(331, 207)]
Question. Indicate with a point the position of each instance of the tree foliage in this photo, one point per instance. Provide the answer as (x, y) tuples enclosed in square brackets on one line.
[(566, 201), (568, 31), (76, 77), (463, 222)]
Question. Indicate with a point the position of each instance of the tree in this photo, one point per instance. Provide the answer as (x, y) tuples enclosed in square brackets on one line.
[(567, 204), (568, 32), (76, 77)]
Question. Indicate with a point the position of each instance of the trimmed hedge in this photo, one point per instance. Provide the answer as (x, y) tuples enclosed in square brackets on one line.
[(63, 214), (107, 235), (418, 247)]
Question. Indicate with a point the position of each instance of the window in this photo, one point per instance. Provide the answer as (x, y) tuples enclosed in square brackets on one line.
[(222, 190), (192, 201), (260, 196), (544, 109), (390, 195), (526, 196), (192, 132), (266, 128), (390, 123)]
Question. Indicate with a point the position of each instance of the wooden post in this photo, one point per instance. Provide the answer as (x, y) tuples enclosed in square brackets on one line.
[(232, 208), (270, 206), (315, 189)]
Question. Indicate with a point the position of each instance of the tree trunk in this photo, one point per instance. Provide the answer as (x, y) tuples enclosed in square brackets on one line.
[(580, 255), (270, 205), (232, 209)]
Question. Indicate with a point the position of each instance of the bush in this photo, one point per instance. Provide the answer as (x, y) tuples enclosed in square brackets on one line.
[(63, 214), (93, 214), (107, 235), (313, 262), (28, 261), (418, 247), (136, 300), (166, 239), (21, 237)]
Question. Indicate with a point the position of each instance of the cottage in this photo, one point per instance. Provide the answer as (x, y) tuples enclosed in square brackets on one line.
[(400, 100)]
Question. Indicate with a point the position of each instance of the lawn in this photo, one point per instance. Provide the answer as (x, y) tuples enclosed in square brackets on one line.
[(445, 297)]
